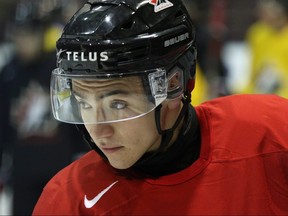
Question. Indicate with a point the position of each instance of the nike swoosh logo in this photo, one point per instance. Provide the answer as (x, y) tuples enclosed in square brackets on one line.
[(92, 202)]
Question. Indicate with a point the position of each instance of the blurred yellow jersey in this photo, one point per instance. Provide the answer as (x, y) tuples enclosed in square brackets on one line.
[(269, 69), (199, 94), (51, 35)]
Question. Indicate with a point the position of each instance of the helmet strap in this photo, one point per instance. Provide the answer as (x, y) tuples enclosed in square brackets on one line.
[(168, 133)]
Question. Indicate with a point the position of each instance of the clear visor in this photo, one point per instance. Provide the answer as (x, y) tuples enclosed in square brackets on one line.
[(90, 99)]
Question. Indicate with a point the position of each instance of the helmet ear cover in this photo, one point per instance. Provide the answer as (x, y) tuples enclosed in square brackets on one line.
[(183, 73)]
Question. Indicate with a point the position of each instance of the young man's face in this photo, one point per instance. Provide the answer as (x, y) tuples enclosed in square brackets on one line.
[(124, 142)]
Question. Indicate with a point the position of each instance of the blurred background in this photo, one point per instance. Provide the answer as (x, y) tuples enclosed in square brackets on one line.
[(242, 48), (33, 146)]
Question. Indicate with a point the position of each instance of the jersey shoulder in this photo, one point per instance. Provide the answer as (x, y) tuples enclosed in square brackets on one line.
[(249, 105), (247, 123)]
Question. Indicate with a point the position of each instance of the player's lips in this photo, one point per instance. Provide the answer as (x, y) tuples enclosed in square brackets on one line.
[(111, 150)]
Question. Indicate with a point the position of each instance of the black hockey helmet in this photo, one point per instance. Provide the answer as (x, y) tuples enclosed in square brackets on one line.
[(118, 39)]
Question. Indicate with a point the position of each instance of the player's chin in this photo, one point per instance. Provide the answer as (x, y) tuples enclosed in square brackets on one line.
[(121, 164)]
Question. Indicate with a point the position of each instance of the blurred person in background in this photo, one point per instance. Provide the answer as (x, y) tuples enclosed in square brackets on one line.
[(38, 145), (215, 68), (197, 10), (209, 18), (5, 8), (268, 42)]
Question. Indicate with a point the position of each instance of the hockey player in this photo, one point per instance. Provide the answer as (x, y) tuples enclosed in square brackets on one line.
[(125, 73)]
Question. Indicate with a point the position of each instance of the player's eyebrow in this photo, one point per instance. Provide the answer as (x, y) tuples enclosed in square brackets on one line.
[(82, 94), (114, 92)]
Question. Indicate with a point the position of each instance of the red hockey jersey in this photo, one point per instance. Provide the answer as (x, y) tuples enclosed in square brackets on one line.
[(242, 170)]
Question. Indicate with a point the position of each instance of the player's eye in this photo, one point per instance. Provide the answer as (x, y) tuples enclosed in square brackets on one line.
[(83, 104), (117, 104)]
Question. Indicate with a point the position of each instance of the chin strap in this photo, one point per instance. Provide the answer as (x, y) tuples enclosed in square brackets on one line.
[(168, 133)]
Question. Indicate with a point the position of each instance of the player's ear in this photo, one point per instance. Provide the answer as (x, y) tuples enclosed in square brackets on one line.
[(174, 104)]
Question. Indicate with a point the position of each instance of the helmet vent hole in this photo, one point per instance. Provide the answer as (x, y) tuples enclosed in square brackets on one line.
[(128, 25)]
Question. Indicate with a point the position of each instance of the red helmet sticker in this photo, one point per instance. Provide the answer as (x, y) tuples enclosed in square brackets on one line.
[(160, 4)]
